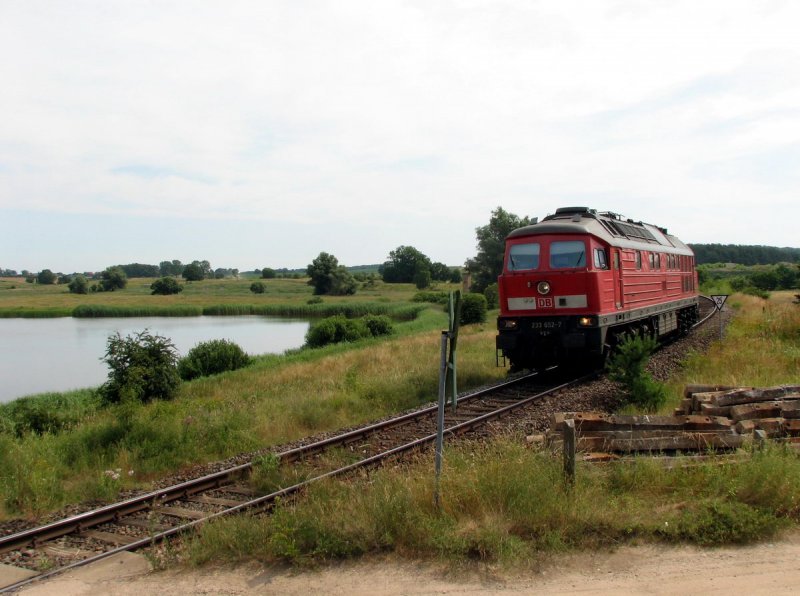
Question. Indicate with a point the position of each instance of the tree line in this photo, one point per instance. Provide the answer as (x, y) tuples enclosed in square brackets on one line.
[(744, 254)]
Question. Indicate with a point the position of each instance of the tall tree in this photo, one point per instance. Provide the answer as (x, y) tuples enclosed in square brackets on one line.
[(113, 278), (404, 263), (488, 263), (328, 277)]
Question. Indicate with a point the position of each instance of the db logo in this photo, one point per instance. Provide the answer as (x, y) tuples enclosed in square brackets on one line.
[(544, 302)]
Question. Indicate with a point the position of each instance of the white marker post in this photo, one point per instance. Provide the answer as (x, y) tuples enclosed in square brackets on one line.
[(719, 302)]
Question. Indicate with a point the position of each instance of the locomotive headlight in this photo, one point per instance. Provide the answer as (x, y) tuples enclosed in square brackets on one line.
[(585, 321), (506, 324), (543, 287)]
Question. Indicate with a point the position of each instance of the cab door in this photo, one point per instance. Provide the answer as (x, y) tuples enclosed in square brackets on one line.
[(616, 266)]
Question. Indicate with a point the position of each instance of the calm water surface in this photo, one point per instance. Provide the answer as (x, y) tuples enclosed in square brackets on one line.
[(39, 355)]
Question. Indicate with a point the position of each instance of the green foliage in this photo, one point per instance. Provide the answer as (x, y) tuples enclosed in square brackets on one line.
[(757, 292), (211, 358), (166, 286), (403, 265), (488, 263), (627, 366), (142, 366), (422, 279), (193, 272), (112, 279), (744, 254), (328, 277), (258, 287), (47, 413), (46, 277), (440, 272), (715, 523), (338, 329), (267, 273), (473, 309), (79, 285), (492, 296), (378, 325), (174, 268), (140, 270), (432, 297), (315, 300)]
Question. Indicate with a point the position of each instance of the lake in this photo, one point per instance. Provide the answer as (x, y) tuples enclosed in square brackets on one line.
[(40, 355)]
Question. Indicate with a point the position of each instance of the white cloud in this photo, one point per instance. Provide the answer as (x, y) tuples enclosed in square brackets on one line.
[(415, 116)]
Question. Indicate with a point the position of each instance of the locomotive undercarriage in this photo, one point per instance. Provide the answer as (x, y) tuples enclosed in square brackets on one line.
[(538, 342)]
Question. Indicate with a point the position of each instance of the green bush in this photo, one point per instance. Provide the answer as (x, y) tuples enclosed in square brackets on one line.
[(211, 358), (166, 286), (79, 285), (339, 328), (473, 309), (257, 287), (432, 297), (378, 325), (626, 366), (492, 296), (143, 367), (758, 292), (314, 300), (334, 330)]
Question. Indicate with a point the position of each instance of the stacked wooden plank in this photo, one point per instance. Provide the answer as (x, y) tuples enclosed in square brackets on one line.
[(631, 434), (774, 410), (711, 418)]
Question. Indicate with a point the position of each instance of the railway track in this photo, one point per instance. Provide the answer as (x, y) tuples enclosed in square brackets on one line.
[(144, 520)]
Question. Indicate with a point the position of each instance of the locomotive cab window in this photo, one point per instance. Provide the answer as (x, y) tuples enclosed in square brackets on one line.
[(522, 257), (600, 261), (567, 254), (638, 258)]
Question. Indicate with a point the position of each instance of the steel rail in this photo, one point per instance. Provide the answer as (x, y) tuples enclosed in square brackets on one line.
[(186, 489), (709, 315), (266, 501)]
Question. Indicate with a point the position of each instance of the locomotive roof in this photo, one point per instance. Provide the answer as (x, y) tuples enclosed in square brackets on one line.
[(609, 227)]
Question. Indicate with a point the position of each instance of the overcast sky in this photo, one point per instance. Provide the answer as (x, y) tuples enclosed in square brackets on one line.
[(261, 133)]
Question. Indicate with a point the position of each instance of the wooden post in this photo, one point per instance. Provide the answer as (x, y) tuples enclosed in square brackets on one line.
[(569, 451), (760, 438)]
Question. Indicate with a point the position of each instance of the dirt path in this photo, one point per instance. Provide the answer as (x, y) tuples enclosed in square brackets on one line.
[(770, 568)]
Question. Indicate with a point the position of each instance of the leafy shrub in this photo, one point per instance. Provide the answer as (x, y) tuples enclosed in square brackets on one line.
[(257, 287), (422, 278), (267, 273), (314, 300), (626, 366), (758, 292), (339, 328), (79, 285), (378, 325), (166, 286), (211, 358), (143, 367), (473, 309), (432, 297), (334, 330), (113, 278), (492, 296)]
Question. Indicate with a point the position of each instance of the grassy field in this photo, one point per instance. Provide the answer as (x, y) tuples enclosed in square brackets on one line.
[(504, 502), (277, 399), (18, 298)]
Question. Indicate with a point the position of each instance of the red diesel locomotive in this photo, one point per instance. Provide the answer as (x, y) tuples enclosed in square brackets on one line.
[(575, 282)]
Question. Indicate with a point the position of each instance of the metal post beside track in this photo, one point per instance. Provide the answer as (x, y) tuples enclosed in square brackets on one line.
[(440, 415)]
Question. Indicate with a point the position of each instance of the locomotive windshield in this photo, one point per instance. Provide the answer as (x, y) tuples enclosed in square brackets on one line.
[(567, 254), (523, 257)]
